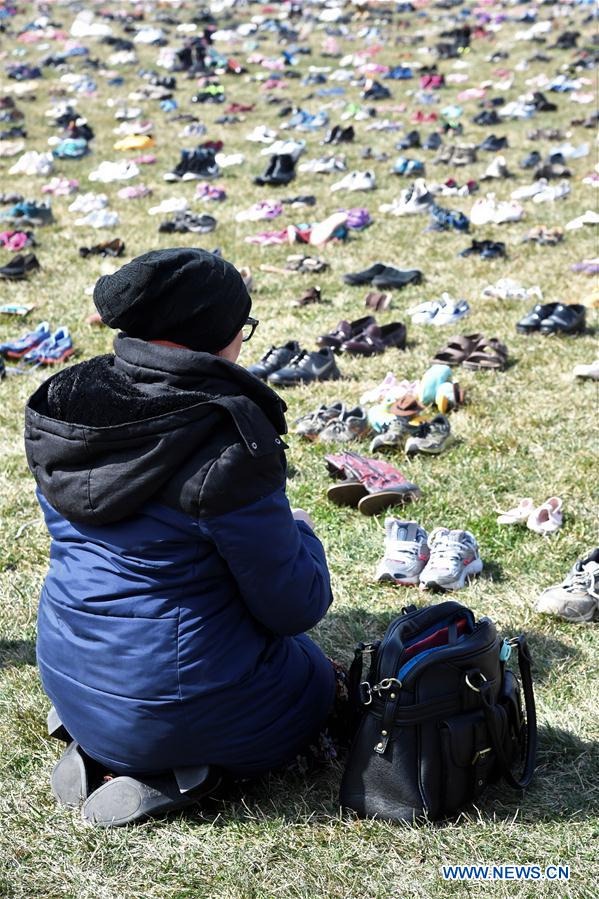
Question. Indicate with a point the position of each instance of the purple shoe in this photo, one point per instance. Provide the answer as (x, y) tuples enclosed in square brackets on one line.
[(357, 218)]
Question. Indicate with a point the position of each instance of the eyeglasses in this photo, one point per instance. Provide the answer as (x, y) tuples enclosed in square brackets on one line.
[(249, 328)]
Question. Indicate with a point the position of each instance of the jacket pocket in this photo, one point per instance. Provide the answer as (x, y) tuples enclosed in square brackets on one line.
[(130, 657)]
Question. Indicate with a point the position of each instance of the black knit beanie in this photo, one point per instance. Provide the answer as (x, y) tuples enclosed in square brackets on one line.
[(188, 296)]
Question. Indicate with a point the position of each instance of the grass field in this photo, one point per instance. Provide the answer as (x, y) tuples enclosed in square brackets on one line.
[(528, 431)]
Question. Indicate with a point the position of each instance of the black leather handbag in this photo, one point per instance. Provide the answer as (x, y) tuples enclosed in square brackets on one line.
[(439, 716)]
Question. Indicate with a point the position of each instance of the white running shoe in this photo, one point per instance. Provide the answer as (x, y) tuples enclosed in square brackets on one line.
[(528, 191), (576, 599), (356, 181), (114, 171), (293, 148), (454, 558), (101, 218), (261, 135), (590, 371), (172, 204), (33, 163), (406, 552), (87, 203), (450, 310), (412, 201), (552, 192)]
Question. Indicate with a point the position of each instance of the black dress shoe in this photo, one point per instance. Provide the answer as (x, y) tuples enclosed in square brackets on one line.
[(486, 249), (306, 368), (542, 104), (274, 359), (19, 267), (391, 278), (486, 117), (532, 320), (552, 170), (433, 141), (530, 161), (493, 144), (366, 276), (567, 318), (412, 139)]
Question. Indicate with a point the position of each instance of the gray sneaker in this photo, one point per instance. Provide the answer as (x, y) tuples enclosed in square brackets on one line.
[(406, 552), (432, 437), (454, 558), (350, 425), (393, 435), (313, 423), (576, 599)]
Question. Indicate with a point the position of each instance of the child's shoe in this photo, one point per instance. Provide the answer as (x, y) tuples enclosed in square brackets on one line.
[(16, 349), (406, 552)]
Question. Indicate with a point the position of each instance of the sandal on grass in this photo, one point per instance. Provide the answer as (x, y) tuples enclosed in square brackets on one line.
[(458, 349), (489, 355)]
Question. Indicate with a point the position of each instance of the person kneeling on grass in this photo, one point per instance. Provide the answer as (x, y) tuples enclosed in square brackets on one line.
[(171, 622)]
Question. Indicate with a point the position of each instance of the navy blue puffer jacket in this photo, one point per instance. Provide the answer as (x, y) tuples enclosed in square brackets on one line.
[(171, 622)]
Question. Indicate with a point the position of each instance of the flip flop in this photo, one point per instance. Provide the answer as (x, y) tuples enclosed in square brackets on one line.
[(488, 355), (458, 349)]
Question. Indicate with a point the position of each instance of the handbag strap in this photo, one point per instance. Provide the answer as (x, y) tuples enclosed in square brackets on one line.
[(355, 678), (530, 731)]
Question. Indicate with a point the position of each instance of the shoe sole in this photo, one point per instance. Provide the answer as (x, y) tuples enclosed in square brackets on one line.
[(68, 780), (426, 451), (386, 578), (347, 494), (470, 570), (129, 805), (10, 354), (46, 360), (296, 383), (373, 503)]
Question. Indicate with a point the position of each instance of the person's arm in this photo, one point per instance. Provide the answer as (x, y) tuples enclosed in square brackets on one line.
[(278, 563)]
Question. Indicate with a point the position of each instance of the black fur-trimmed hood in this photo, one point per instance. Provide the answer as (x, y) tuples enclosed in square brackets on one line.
[(103, 437)]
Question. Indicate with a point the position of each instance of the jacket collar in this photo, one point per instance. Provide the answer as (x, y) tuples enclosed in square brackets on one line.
[(184, 369)]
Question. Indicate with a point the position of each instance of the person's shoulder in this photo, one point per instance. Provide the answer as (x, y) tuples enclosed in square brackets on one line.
[(250, 467)]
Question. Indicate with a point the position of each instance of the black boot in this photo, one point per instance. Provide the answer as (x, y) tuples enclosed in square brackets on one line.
[(280, 170)]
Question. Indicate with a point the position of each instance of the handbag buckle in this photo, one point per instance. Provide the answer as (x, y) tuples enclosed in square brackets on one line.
[(365, 690), (480, 754), (386, 684), (469, 683)]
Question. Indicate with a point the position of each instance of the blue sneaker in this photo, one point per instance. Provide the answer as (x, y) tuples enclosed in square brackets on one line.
[(30, 213), (57, 348), (16, 349)]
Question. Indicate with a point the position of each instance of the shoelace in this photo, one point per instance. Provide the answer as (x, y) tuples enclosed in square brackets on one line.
[(587, 580), (447, 549)]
